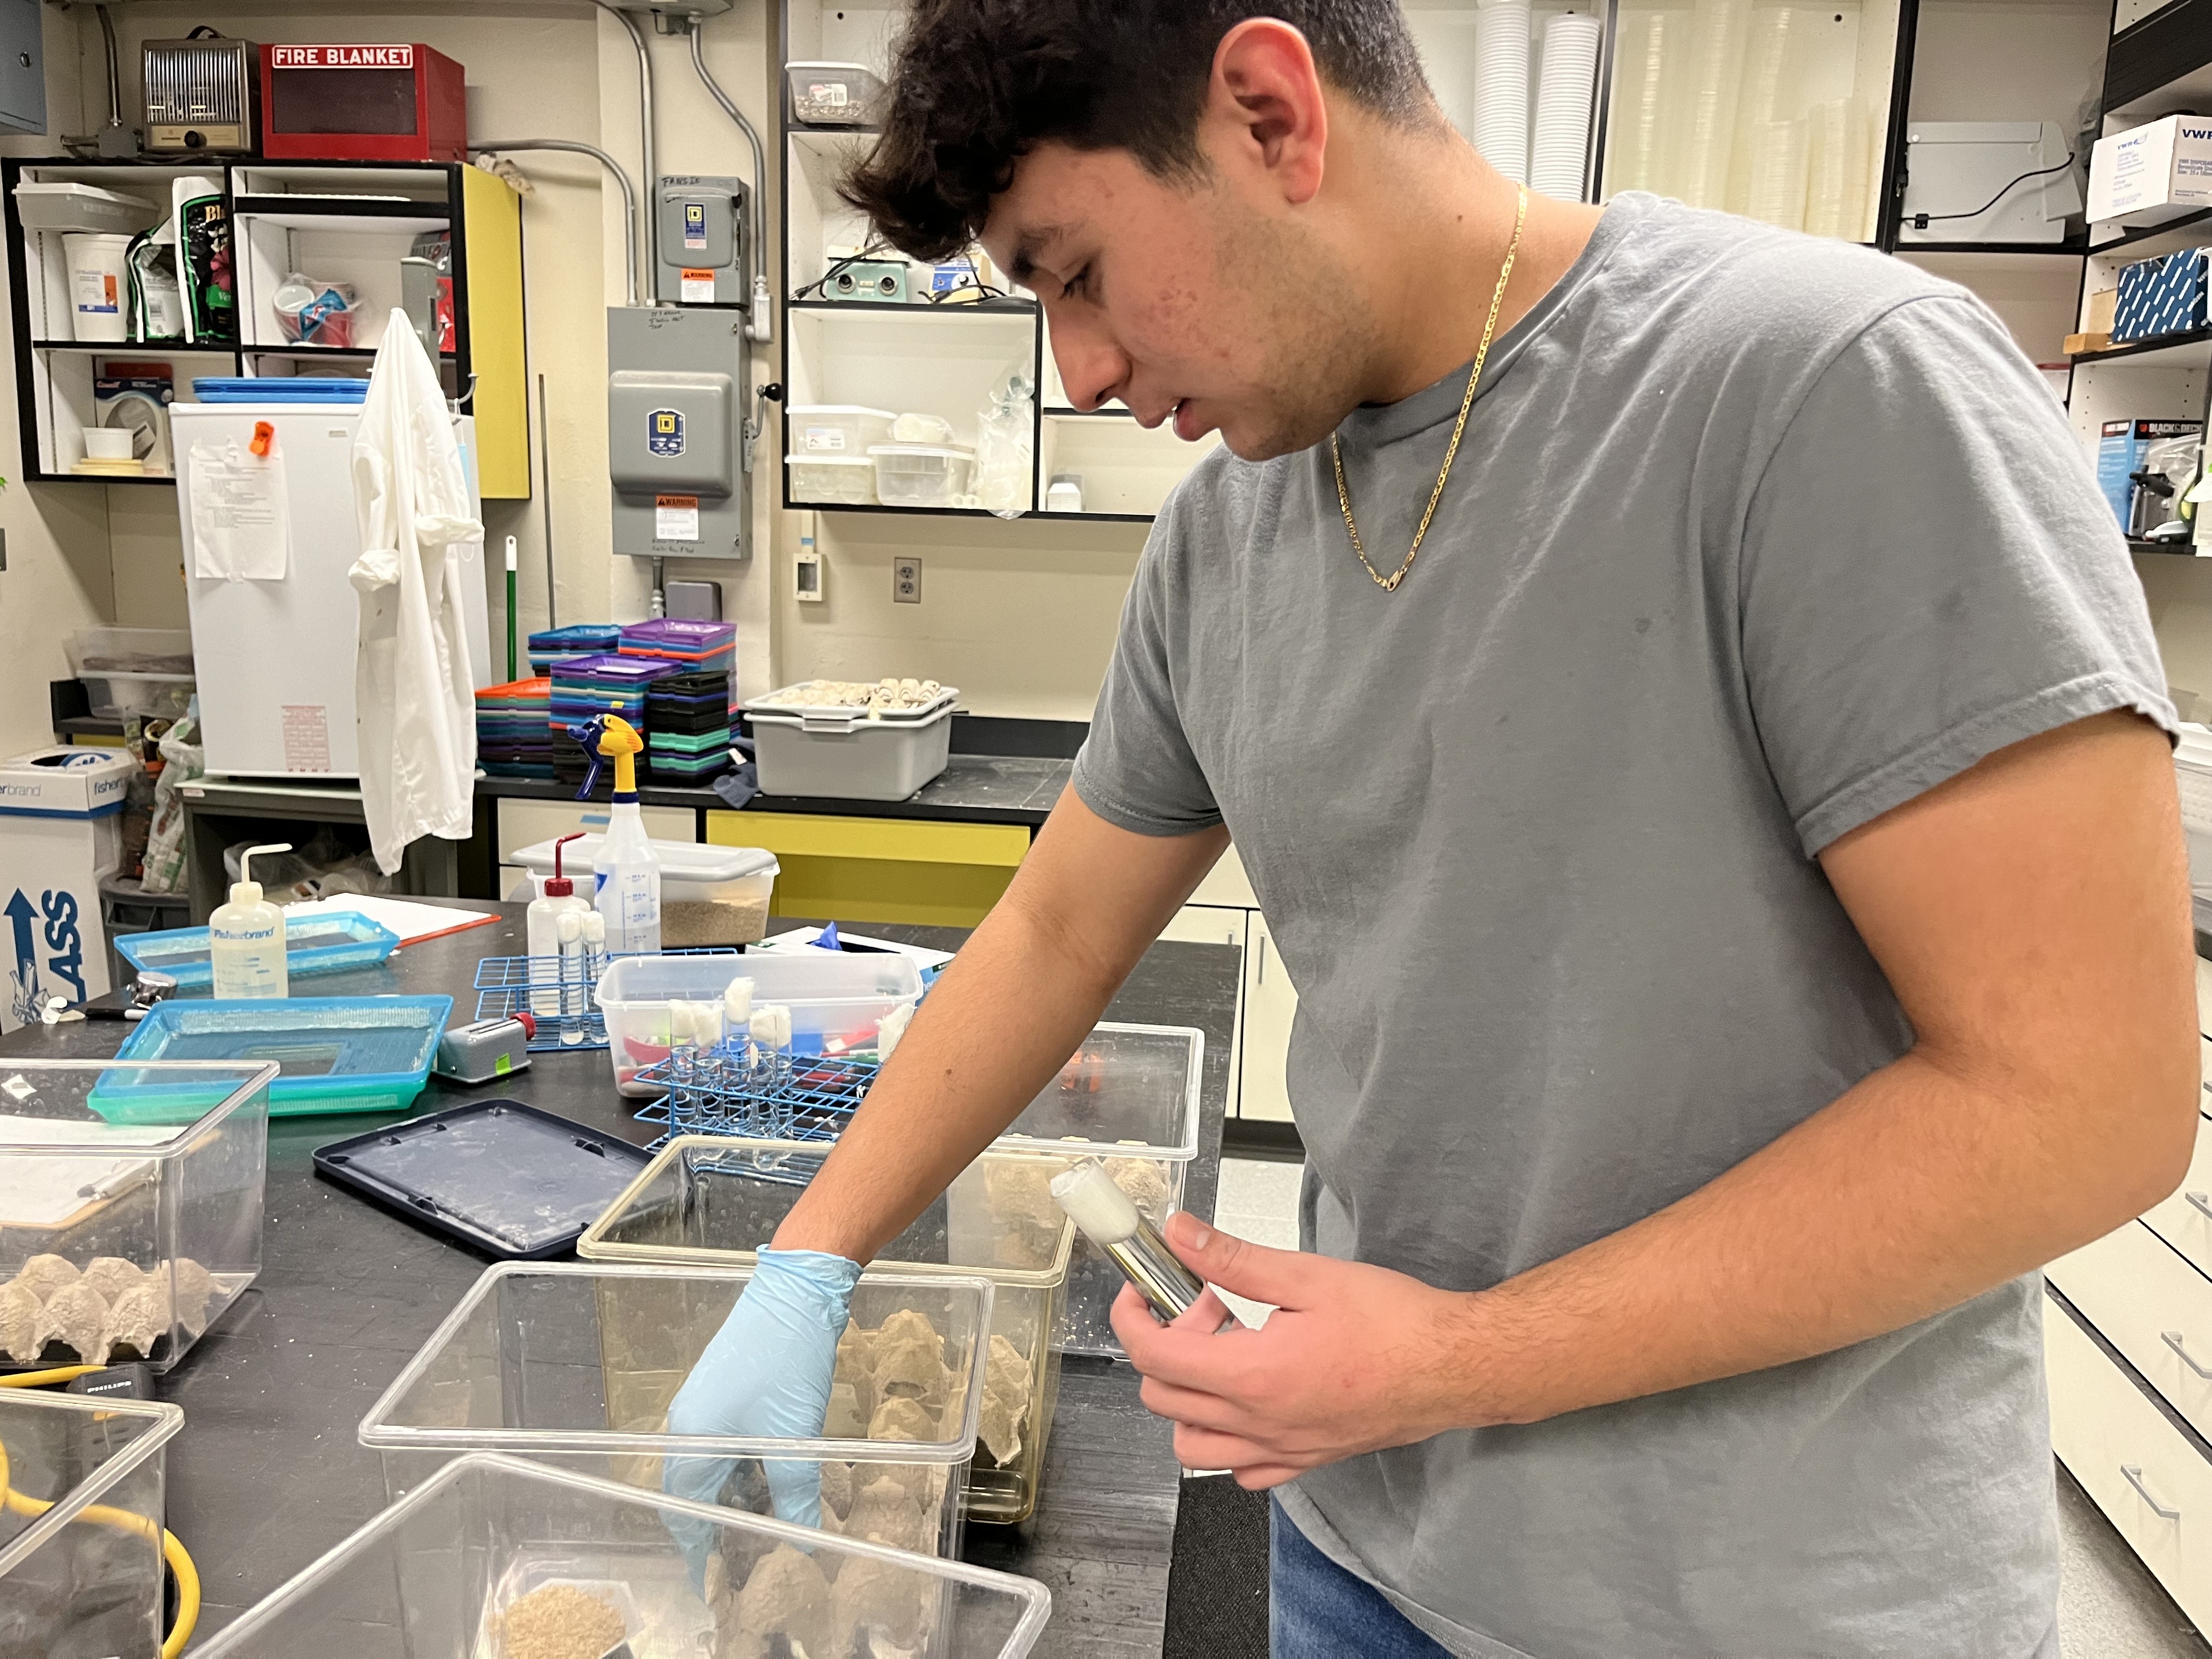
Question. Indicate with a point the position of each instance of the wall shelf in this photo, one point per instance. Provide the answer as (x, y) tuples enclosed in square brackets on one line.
[(331, 220)]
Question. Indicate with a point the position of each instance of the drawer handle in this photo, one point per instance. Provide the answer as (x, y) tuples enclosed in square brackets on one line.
[(2132, 1474), (2201, 1203), (2173, 1340)]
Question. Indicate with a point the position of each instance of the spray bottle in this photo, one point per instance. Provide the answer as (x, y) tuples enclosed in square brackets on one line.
[(245, 937), (627, 871)]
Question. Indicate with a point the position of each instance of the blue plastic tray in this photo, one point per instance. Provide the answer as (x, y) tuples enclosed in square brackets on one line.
[(313, 944), (336, 1053), (279, 389)]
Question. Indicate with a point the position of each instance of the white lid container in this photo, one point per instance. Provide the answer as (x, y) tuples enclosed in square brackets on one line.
[(920, 474), (841, 480), (843, 430), (81, 207), (709, 894)]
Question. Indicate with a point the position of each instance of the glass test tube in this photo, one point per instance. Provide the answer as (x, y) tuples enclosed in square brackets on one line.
[(571, 969)]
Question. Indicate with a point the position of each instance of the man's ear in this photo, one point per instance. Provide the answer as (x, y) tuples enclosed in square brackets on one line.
[(1264, 107)]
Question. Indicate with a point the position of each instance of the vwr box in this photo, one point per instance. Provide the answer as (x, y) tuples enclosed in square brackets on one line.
[(2154, 172), (60, 815)]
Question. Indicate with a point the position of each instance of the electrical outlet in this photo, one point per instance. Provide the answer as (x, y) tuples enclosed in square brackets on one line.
[(906, 581)]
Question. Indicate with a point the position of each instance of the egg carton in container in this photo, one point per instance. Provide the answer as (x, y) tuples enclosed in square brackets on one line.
[(850, 750)]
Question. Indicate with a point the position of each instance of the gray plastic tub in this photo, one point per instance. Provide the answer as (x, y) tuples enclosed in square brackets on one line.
[(842, 754)]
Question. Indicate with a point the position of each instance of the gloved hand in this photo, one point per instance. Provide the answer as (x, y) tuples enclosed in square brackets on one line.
[(765, 1374)]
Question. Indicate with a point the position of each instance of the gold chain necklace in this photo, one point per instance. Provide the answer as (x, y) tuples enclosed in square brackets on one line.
[(1390, 584)]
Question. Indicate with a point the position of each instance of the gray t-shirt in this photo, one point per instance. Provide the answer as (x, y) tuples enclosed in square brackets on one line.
[(1752, 538)]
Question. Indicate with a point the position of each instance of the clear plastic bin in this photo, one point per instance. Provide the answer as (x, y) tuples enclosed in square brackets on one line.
[(1129, 1095), (843, 480), (81, 1533), (838, 431), (127, 670), (714, 1202), (709, 894), (574, 1365), (82, 207), (833, 94), (831, 995), (443, 1572), (144, 1232), (920, 474)]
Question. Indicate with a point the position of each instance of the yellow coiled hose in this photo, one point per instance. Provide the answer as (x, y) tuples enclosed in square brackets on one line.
[(188, 1576)]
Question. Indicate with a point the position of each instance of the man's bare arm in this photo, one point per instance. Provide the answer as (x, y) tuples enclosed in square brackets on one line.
[(1007, 1012), (2032, 917)]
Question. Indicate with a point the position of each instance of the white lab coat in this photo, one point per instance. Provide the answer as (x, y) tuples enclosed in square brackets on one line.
[(411, 685)]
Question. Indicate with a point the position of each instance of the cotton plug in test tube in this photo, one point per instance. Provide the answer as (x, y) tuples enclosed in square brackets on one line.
[(1111, 1221)]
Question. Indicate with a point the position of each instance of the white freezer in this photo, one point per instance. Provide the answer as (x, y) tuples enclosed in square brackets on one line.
[(275, 659)]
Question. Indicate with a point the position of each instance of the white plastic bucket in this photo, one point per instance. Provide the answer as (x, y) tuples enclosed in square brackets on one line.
[(100, 291)]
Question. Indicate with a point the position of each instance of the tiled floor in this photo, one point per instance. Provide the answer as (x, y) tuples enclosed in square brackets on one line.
[(2109, 1605)]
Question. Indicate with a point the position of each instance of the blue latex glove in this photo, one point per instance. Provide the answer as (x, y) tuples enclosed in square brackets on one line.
[(766, 1374)]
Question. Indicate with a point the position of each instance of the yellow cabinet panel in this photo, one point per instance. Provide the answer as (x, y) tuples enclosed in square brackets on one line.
[(491, 220), (945, 875)]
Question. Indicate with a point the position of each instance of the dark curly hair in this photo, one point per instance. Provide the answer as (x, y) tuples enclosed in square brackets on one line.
[(976, 83)]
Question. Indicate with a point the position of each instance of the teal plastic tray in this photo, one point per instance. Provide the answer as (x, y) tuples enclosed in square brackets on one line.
[(334, 1054), (313, 944)]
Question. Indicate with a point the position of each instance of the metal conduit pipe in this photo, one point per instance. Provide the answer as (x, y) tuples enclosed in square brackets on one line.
[(760, 157), (651, 283), (629, 196)]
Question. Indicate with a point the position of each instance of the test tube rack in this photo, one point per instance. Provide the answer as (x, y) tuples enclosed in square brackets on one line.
[(507, 985), (734, 1089)]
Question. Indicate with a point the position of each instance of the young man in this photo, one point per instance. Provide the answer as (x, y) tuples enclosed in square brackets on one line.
[(1710, 790)]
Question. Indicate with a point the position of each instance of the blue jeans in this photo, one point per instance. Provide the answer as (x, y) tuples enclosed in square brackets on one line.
[(1317, 1610)]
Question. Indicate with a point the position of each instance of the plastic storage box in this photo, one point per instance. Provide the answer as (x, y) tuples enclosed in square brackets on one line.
[(843, 431), (841, 753), (133, 670), (142, 1233), (335, 1054), (833, 94), (714, 1202), (709, 894), (1130, 1096), (831, 995), (83, 207), (920, 474), (841, 480), (313, 944), (447, 1570), (574, 1365), (81, 1534)]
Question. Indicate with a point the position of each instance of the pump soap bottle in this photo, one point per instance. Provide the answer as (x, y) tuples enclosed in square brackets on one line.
[(245, 937), (627, 871)]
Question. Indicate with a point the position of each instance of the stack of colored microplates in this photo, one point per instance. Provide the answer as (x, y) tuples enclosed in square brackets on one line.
[(585, 686), (687, 726), (558, 645), (513, 738), (701, 647)]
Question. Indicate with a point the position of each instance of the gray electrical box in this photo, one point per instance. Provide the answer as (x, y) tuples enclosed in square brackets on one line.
[(22, 66), (678, 395), (702, 242)]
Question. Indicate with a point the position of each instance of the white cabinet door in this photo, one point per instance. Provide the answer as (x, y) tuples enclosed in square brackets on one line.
[(2153, 1485), (1211, 924), (1270, 1003)]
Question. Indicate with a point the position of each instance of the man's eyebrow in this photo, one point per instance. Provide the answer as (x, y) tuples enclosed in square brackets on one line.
[(1022, 264)]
